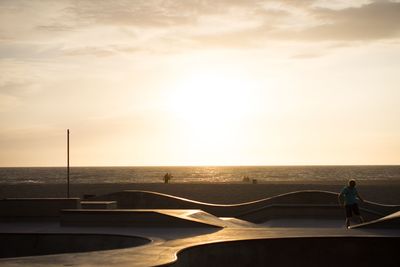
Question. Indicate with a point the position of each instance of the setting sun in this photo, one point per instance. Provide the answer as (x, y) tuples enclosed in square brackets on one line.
[(211, 106), (209, 98)]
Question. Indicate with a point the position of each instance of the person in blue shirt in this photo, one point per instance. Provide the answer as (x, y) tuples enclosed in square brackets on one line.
[(348, 198)]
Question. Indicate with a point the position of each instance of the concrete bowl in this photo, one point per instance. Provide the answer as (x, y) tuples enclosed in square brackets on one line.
[(34, 244)]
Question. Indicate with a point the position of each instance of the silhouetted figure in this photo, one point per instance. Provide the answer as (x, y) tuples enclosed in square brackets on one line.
[(246, 179), (167, 177), (349, 194)]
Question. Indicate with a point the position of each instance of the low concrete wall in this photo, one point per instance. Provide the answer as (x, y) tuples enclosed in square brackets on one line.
[(133, 218), (307, 252), (18, 245), (132, 199), (36, 207), (99, 204)]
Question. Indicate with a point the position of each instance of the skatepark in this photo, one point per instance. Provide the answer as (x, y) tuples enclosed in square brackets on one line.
[(143, 228)]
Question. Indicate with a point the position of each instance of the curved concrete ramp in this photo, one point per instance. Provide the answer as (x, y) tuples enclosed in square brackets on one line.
[(391, 221), (140, 218), (134, 199), (303, 251)]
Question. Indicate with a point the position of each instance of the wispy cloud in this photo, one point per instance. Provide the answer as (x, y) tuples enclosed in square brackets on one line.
[(106, 28), (375, 21)]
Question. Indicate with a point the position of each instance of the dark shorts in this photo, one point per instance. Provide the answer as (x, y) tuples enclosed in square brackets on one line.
[(350, 209)]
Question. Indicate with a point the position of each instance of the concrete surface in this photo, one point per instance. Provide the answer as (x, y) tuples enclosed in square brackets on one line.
[(30, 244), (302, 239), (299, 251), (170, 243)]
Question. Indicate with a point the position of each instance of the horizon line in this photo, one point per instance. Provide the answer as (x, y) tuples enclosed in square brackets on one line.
[(201, 165)]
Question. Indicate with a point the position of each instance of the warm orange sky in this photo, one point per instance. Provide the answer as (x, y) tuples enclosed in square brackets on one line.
[(200, 82)]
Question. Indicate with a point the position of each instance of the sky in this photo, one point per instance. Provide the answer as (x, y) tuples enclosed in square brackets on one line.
[(228, 82)]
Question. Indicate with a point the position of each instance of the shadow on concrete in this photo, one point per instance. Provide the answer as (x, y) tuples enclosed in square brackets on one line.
[(33, 244)]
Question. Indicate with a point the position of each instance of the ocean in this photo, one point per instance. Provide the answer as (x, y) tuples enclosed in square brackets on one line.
[(196, 174)]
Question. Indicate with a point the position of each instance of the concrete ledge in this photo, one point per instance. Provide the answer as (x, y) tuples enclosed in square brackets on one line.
[(36, 207), (139, 218), (98, 204)]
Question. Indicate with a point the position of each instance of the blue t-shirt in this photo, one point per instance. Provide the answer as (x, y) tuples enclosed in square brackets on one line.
[(350, 195)]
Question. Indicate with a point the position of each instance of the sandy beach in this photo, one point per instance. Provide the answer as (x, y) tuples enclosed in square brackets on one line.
[(378, 191)]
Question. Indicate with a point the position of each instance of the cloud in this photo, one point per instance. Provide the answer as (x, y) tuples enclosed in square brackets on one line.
[(379, 20), (108, 28), (13, 94), (14, 88), (304, 23), (131, 13), (93, 51), (340, 4), (8, 102), (305, 55)]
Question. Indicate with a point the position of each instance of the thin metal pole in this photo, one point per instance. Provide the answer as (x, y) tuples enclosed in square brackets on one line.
[(67, 163)]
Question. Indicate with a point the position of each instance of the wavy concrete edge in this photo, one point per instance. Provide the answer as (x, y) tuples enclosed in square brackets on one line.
[(220, 205), (138, 199), (243, 203)]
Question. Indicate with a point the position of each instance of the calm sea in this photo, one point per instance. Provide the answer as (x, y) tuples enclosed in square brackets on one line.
[(56, 175)]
